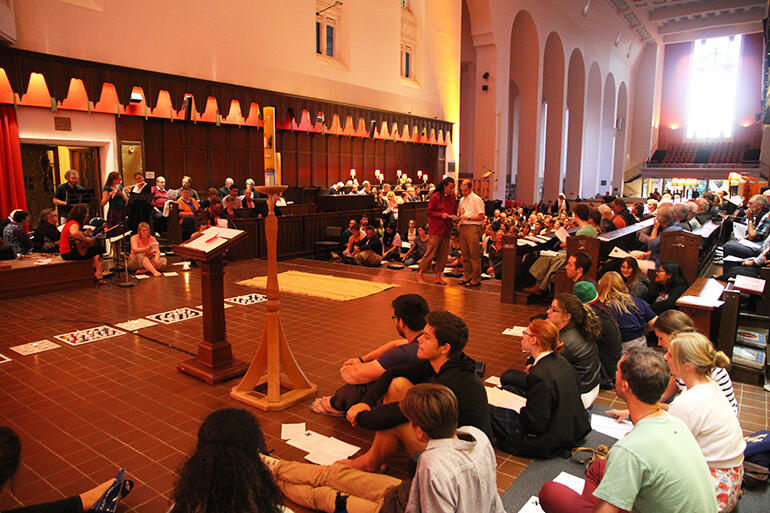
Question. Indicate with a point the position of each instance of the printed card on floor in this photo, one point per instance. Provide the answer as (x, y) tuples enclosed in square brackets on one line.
[(136, 324), (35, 347), (80, 337), (172, 273), (4, 359), (532, 506), (248, 299), (505, 399), (493, 380), (227, 305), (141, 276), (172, 316), (516, 331)]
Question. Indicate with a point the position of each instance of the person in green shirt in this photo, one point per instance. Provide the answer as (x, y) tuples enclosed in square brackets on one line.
[(656, 467)]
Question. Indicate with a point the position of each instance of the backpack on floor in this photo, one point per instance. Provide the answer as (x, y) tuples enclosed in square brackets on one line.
[(756, 459)]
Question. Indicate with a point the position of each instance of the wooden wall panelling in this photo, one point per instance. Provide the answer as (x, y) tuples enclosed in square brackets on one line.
[(319, 161), (379, 156), (346, 158), (174, 154), (391, 162), (287, 146), (256, 148), (369, 160), (197, 155), (219, 157), (239, 153), (154, 148), (333, 159), (304, 161), (358, 158)]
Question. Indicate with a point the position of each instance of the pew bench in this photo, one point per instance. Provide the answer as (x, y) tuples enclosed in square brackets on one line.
[(26, 277)]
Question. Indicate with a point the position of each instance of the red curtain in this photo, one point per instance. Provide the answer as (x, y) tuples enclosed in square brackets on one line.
[(12, 194)]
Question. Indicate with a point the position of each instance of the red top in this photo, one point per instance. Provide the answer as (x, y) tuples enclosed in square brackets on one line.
[(438, 204), (64, 244)]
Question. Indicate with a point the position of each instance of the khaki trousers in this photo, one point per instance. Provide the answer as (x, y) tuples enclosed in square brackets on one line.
[(316, 486), (368, 257), (470, 246), (438, 248)]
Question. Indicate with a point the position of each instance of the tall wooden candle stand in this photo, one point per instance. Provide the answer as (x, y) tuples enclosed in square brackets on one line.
[(274, 352)]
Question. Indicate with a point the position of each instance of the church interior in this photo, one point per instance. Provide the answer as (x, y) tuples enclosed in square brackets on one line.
[(245, 143)]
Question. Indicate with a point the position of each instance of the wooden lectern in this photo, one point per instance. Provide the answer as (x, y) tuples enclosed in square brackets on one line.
[(274, 352), (214, 362)]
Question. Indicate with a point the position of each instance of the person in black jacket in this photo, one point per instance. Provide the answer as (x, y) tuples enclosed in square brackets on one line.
[(609, 343), (47, 236), (579, 329), (553, 418), (443, 362)]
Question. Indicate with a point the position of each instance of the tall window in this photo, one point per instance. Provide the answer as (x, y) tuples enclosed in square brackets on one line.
[(408, 42), (713, 80), (326, 28)]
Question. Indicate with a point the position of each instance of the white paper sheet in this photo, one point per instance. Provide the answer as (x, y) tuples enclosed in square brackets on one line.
[(323, 450), (562, 234), (172, 273), (570, 481), (645, 265), (699, 301), (749, 284), (516, 331), (532, 506), (527, 242), (505, 399), (750, 244), (136, 324), (610, 427), (141, 276), (618, 253), (732, 258), (4, 359), (736, 200), (493, 380), (739, 230), (35, 347), (43, 261), (548, 252), (289, 431)]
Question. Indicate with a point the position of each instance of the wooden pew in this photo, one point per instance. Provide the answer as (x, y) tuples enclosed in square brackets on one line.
[(25, 277), (700, 301), (417, 210)]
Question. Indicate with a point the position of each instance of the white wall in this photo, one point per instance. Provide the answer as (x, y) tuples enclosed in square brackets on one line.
[(36, 126)]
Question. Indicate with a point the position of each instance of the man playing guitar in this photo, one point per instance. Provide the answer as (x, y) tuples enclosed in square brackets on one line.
[(77, 244)]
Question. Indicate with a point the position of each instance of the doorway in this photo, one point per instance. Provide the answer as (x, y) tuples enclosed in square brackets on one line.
[(44, 166)]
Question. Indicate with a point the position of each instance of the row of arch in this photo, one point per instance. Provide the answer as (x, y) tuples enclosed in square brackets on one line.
[(568, 135)]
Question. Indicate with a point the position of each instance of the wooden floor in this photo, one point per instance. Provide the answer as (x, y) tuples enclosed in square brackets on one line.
[(83, 412)]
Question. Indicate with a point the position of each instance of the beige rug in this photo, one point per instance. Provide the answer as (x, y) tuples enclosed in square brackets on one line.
[(320, 285)]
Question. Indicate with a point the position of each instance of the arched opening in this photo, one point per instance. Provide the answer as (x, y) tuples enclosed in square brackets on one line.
[(513, 131), (576, 77), (467, 93), (541, 145), (620, 140), (607, 144), (590, 150), (524, 73), (553, 96)]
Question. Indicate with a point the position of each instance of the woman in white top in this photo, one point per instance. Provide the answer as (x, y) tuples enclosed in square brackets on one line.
[(707, 412), (145, 253)]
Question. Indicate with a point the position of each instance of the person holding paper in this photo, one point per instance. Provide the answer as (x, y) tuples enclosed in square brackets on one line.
[(554, 418), (758, 229), (751, 267), (145, 253), (656, 467), (471, 212), (633, 315), (665, 221), (442, 210)]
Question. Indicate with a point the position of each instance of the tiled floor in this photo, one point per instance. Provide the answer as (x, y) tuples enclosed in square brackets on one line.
[(83, 412)]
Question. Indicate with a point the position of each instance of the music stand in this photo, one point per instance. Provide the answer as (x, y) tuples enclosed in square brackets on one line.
[(124, 237)]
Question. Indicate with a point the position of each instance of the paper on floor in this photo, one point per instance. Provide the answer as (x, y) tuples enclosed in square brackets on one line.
[(35, 347), (323, 450), (141, 276), (136, 324), (532, 506), (505, 399), (516, 331), (289, 431), (610, 427), (172, 273), (493, 380), (570, 481)]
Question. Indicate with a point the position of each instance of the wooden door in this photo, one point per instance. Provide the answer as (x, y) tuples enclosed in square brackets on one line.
[(39, 179)]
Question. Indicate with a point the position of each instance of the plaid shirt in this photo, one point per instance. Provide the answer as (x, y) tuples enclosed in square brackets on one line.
[(762, 227)]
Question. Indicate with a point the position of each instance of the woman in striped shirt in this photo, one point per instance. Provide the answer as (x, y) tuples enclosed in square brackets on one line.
[(666, 326)]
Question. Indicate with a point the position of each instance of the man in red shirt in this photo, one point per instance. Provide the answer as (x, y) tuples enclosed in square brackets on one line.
[(442, 210)]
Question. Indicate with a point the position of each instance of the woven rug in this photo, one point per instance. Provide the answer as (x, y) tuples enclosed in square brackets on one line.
[(320, 285)]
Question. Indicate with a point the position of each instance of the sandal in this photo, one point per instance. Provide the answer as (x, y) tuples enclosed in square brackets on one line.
[(100, 281), (318, 407), (119, 488), (587, 455), (462, 281)]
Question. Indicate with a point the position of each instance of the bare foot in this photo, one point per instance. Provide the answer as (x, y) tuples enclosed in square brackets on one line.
[(89, 498), (157, 274), (140, 271), (323, 405), (420, 277), (440, 282)]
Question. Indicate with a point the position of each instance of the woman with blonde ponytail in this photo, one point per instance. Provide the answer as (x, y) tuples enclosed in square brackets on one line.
[(707, 413), (633, 315), (553, 418)]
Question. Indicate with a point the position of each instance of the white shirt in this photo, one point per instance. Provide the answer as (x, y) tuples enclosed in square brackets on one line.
[(471, 206), (708, 414)]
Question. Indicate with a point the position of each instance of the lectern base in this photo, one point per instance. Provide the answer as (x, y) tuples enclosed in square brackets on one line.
[(260, 400), (212, 375)]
